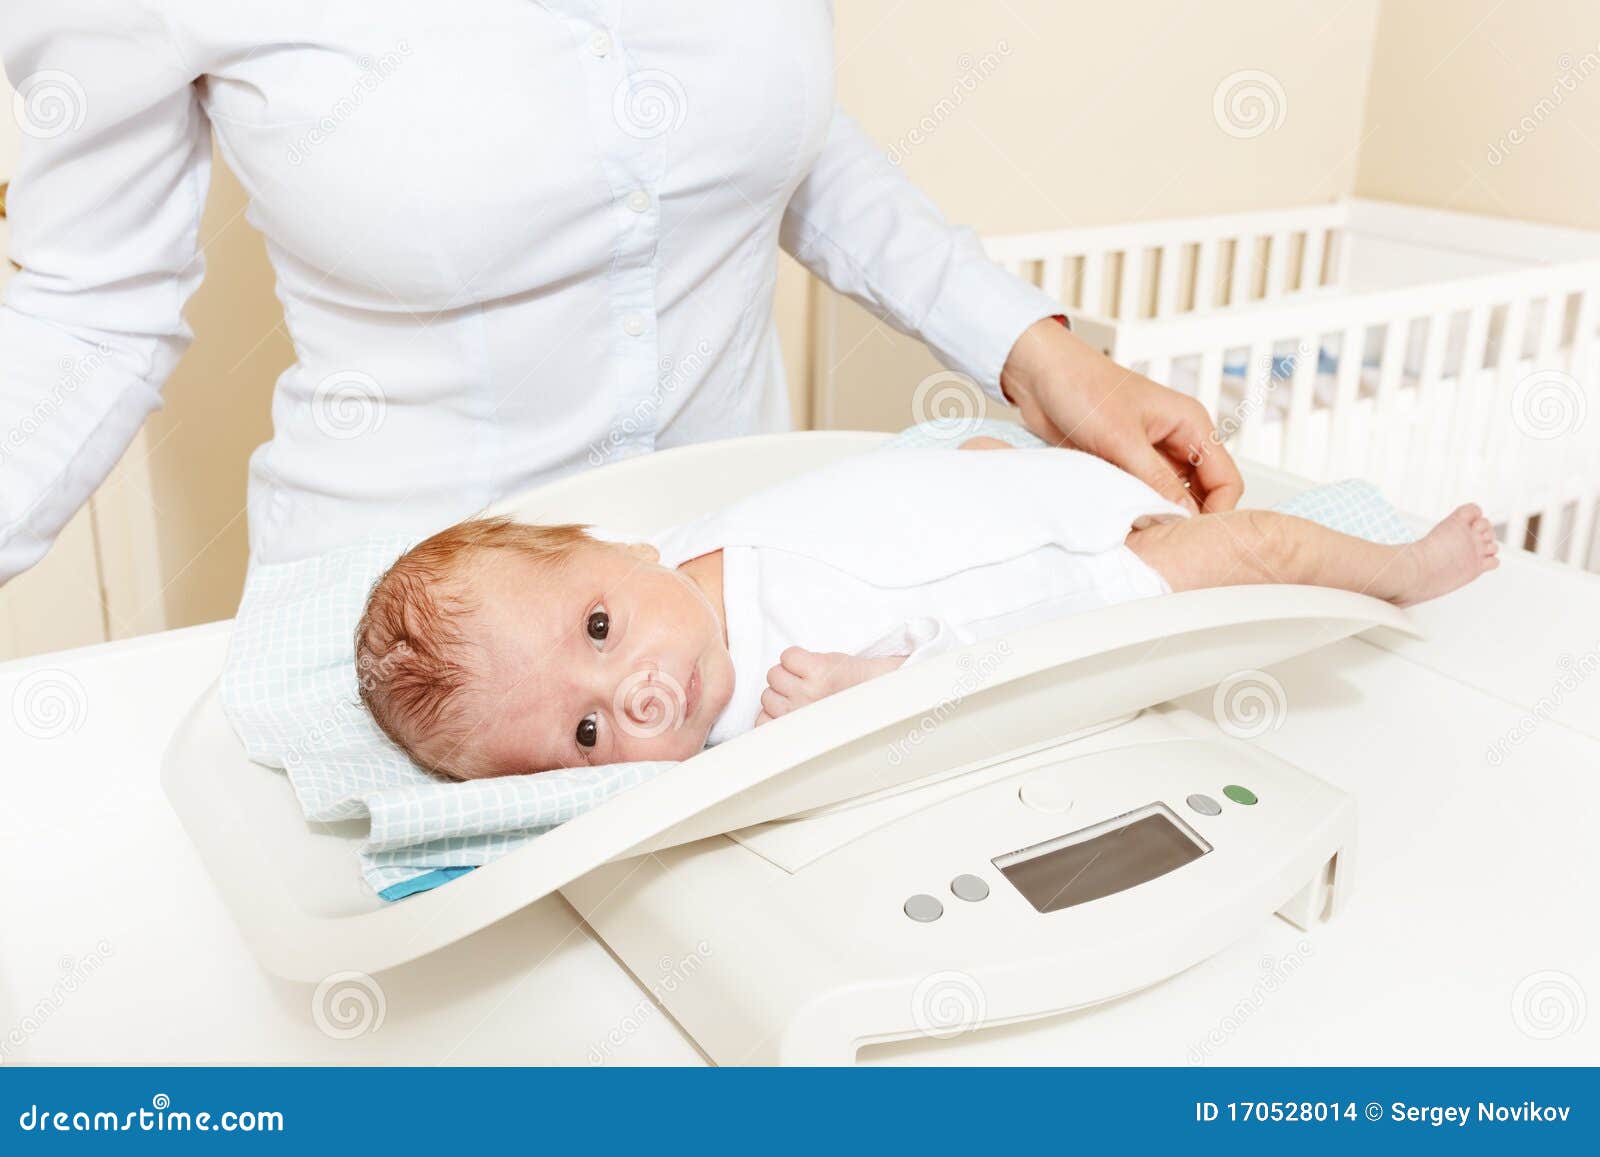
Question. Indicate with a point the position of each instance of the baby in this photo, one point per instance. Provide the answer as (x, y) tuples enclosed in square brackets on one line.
[(497, 648)]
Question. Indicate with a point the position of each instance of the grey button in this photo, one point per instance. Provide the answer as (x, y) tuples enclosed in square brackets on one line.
[(970, 888), (1204, 804), (924, 909)]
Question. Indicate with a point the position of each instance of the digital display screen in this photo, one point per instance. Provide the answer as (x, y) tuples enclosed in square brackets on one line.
[(1102, 860)]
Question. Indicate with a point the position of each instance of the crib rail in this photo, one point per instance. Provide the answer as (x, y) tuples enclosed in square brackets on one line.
[(1478, 388), (1161, 269)]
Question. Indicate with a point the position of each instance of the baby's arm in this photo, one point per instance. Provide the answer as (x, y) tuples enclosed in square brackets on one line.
[(803, 677)]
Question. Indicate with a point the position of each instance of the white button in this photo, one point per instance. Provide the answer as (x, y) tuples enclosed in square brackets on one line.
[(638, 200), (600, 42), (1045, 793), (633, 325)]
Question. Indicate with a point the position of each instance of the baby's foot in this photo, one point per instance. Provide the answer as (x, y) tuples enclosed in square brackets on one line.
[(1451, 555), (803, 677)]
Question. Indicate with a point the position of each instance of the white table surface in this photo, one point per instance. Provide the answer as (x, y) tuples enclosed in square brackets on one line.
[(1473, 879)]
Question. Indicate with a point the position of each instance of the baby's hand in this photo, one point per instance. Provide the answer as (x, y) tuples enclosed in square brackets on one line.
[(803, 677)]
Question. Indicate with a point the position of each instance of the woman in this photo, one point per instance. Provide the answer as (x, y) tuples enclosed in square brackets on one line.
[(511, 242)]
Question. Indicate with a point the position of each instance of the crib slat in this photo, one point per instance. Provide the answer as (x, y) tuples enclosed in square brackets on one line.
[(1130, 292), (1491, 433), (1253, 441), (1208, 383), (1461, 465), (1205, 275), (1092, 288), (1311, 259), (1171, 259), (1053, 278), (1582, 532), (1302, 392), (1380, 448), (1550, 539), (1516, 531), (1277, 264), (1241, 278), (1346, 386), (1429, 431)]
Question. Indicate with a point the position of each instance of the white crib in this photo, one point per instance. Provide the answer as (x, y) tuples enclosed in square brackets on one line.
[(1477, 367)]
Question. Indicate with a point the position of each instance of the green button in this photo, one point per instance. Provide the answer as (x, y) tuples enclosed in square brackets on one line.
[(1239, 794)]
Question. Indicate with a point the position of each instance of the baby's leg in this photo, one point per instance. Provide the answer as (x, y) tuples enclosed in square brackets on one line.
[(1263, 546)]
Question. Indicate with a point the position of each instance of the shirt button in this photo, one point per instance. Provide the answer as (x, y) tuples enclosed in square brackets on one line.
[(600, 42), (638, 200), (633, 325)]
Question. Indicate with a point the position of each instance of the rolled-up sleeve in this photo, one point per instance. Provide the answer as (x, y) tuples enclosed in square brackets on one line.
[(860, 225), (104, 211)]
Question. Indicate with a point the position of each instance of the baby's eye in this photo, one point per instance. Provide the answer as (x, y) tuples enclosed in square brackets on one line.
[(598, 624), (588, 731)]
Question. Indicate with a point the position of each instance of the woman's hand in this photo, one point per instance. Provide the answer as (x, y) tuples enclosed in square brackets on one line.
[(1070, 394)]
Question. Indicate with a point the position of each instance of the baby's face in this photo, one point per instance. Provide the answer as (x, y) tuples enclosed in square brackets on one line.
[(607, 659)]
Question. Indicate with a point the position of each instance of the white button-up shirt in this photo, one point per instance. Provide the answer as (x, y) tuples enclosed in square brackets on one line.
[(512, 240)]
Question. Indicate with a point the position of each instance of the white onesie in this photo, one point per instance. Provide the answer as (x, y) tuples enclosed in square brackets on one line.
[(912, 552)]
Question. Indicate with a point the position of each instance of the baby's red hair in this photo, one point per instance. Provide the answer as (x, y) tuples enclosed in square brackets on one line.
[(413, 651)]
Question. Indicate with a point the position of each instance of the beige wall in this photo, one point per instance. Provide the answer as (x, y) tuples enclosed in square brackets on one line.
[(1070, 113), (1084, 114), (1487, 107), (216, 413)]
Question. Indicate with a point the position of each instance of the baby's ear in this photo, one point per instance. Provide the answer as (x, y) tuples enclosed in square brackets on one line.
[(642, 551)]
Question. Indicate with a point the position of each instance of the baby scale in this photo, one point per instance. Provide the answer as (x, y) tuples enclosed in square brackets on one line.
[(999, 833)]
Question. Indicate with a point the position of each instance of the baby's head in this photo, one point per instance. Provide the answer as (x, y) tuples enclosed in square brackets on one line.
[(497, 648)]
